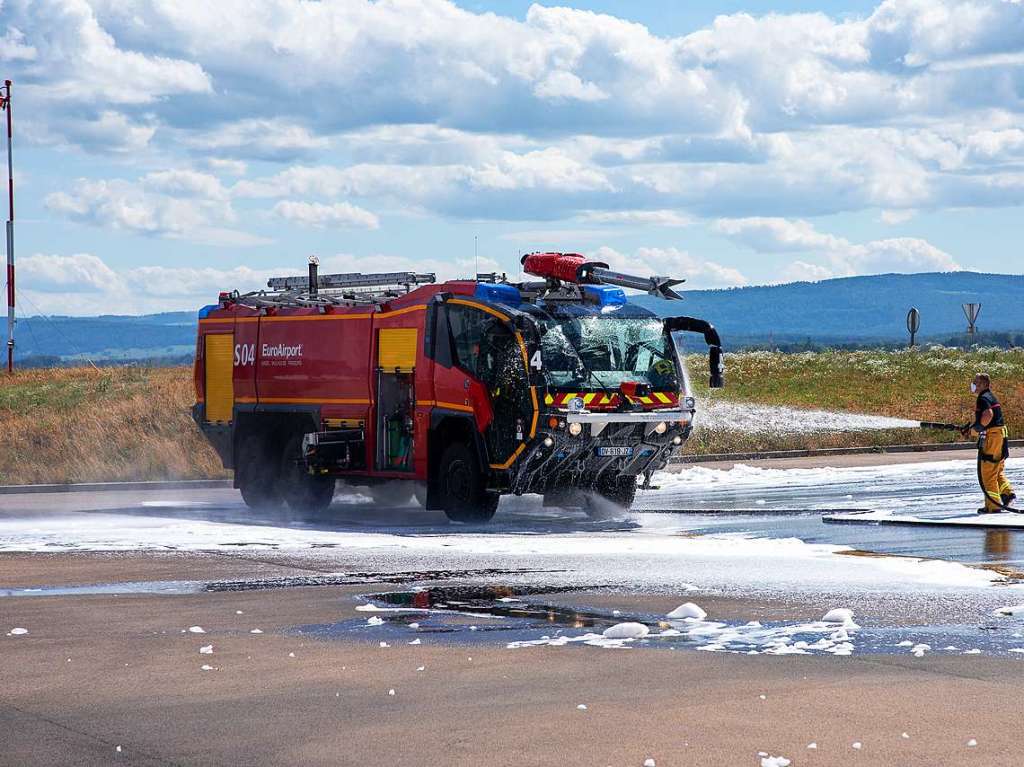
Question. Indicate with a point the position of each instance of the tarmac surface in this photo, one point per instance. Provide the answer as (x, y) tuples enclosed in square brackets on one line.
[(111, 673)]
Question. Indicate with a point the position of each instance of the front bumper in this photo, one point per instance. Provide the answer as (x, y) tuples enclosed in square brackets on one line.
[(556, 460)]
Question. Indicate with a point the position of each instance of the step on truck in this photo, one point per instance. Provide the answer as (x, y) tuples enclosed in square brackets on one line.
[(458, 392)]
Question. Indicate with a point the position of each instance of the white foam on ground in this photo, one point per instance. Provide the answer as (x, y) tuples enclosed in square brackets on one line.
[(647, 551), (840, 615), (688, 610), (628, 630), (815, 638), (633, 556)]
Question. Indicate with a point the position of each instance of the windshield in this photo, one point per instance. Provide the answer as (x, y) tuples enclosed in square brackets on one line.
[(600, 352)]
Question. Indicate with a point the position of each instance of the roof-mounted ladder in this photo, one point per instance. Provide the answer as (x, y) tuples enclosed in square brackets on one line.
[(348, 289), (351, 280)]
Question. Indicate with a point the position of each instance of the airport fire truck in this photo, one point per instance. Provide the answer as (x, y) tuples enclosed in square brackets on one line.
[(460, 391)]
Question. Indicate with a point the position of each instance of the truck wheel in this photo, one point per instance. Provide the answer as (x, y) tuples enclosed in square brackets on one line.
[(256, 474), (464, 493), (619, 490), (299, 489)]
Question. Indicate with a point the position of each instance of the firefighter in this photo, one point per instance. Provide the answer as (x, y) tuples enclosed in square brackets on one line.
[(993, 446)]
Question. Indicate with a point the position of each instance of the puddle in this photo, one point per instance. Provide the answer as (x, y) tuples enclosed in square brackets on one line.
[(138, 587), (500, 616)]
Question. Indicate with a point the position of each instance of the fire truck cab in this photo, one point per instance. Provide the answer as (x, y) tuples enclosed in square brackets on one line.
[(460, 391)]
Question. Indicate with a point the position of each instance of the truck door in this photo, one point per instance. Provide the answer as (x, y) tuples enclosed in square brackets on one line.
[(487, 349)]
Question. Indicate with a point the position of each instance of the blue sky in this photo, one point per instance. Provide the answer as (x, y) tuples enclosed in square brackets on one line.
[(167, 151)]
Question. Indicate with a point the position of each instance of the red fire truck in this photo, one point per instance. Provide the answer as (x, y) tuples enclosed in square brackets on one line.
[(466, 389)]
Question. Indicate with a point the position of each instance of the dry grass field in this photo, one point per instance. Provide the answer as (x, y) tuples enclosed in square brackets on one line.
[(89, 425), (85, 425)]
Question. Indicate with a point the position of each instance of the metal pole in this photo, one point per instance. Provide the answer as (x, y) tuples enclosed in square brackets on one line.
[(10, 231)]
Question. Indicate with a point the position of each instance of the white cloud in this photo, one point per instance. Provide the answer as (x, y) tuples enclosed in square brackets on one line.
[(259, 139), (110, 131), (81, 62), (187, 183), (801, 271), (83, 283), (566, 85), (459, 267), (231, 167), (675, 263), (320, 215), (779, 235), (149, 208), (13, 47), (893, 217), (645, 217), (81, 272)]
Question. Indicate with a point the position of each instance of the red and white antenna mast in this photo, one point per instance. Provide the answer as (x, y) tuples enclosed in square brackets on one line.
[(5, 104)]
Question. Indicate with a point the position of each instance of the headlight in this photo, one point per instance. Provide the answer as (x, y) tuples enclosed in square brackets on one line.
[(575, 429), (661, 428), (689, 403), (548, 442), (677, 440)]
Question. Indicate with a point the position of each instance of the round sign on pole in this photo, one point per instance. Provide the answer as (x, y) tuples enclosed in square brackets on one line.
[(913, 323)]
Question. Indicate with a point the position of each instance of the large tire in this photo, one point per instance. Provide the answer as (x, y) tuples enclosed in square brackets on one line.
[(620, 490), (463, 486), (256, 471), (297, 487)]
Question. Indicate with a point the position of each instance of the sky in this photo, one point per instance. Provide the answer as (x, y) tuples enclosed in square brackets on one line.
[(168, 150)]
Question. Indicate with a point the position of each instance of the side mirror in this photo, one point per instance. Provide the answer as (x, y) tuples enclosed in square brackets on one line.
[(717, 368)]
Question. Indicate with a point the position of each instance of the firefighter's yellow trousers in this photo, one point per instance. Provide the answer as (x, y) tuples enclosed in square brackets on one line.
[(992, 467)]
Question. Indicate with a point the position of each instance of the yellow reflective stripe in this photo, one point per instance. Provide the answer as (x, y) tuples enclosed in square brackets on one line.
[(663, 397), (404, 310), (481, 307), (316, 317), (549, 400), (588, 398), (512, 458), (301, 401)]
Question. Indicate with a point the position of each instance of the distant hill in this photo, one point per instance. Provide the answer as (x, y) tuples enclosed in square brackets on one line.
[(107, 338), (856, 310), (848, 311)]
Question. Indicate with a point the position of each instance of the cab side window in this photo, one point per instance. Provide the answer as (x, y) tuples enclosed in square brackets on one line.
[(484, 347), (468, 328)]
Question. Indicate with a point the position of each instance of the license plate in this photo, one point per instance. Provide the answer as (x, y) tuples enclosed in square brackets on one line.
[(613, 451)]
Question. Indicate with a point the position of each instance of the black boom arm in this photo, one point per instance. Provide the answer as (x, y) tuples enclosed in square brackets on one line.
[(711, 338)]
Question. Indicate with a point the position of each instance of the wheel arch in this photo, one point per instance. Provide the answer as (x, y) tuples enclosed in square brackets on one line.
[(271, 424), (447, 427)]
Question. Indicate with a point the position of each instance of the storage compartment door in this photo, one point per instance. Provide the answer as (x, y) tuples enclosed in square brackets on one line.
[(396, 349), (220, 392)]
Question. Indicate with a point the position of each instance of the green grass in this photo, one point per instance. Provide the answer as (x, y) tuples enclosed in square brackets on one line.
[(50, 390)]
